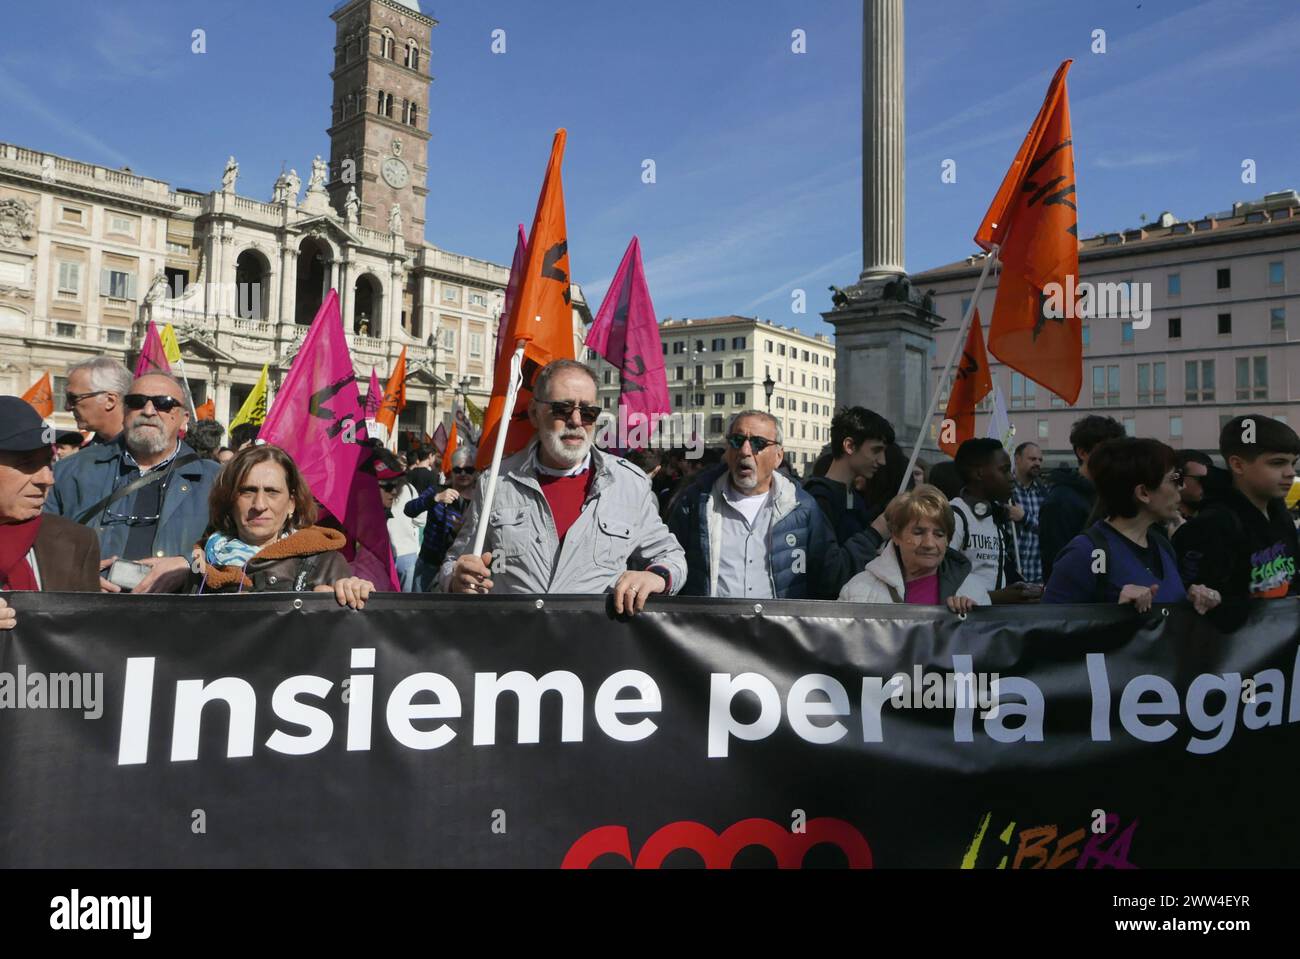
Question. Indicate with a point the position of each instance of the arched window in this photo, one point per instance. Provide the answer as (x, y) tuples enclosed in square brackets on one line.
[(415, 115), (387, 45), (412, 55)]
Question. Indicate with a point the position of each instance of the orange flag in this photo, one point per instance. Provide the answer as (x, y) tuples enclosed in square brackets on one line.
[(1035, 221), (394, 395), (41, 396), (541, 314), (207, 410), (972, 384), (450, 451)]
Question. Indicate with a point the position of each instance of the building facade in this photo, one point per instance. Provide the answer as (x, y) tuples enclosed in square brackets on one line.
[(717, 367), (1223, 337), (88, 254)]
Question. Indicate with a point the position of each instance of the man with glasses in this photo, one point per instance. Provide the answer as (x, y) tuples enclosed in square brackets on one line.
[(94, 396), (145, 493), (567, 518), (751, 533), (446, 508)]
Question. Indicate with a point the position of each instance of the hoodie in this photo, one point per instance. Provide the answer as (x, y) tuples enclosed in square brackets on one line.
[(1232, 547), (1064, 514), (844, 507)]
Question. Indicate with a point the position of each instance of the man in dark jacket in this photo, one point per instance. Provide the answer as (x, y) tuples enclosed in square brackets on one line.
[(1242, 541), (749, 532), (1071, 496), (859, 440), (145, 493)]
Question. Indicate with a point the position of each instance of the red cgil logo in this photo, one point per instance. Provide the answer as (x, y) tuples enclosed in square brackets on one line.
[(719, 851)]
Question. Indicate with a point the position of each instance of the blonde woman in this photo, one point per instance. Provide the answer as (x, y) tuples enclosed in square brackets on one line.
[(915, 564)]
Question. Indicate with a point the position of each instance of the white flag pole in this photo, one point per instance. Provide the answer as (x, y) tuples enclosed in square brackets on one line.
[(958, 345), (503, 426), (189, 394)]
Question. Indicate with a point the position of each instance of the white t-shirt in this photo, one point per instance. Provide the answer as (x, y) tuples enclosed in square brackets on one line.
[(981, 541), (746, 505)]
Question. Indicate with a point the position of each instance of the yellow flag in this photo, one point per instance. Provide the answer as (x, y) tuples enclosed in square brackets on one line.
[(254, 408), (171, 348)]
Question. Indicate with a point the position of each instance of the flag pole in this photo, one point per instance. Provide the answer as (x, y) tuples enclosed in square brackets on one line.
[(189, 393), (503, 426), (957, 344)]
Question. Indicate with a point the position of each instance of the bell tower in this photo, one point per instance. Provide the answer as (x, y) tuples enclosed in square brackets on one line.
[(379, 134)]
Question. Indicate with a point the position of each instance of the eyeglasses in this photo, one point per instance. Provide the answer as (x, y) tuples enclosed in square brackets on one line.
[(1178, 478), (162, 403), (737, 441), (388, 487), (72, 399), (563, 410), (463, 470)]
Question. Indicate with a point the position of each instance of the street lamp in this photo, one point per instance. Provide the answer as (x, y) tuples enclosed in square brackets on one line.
[(769, 385)]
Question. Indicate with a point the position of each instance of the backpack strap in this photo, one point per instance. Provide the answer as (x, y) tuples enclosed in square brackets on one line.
[(139, 482), (965, 527)]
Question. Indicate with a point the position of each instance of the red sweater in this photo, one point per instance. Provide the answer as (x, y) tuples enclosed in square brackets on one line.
[(566, 494)]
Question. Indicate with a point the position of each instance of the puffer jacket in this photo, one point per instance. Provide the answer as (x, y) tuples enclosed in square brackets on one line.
[(806, 561), (618, 529), (297, 563), (882, 581)]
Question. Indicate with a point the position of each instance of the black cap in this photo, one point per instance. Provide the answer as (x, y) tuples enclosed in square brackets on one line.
[(21, 427)]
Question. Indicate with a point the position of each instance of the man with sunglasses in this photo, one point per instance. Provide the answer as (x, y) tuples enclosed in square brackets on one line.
[(751, 533), (567, 518), (145, 493), (446, 508), (94, 396)]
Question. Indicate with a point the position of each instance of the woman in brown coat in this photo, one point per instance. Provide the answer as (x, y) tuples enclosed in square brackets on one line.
[(264, 535)]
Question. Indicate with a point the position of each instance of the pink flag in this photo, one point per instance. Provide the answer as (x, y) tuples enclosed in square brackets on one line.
[(517, 267), (153, 358), (318, 420), (626, 334), (440, 439), (374, 396)]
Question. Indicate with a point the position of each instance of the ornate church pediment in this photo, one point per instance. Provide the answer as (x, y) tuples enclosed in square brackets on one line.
[(326, 226)]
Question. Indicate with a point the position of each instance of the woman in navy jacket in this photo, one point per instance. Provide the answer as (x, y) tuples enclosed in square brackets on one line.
[(1126, 557)]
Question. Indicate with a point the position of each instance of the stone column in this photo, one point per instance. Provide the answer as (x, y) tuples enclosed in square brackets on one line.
[(884, 328), (882, 139)]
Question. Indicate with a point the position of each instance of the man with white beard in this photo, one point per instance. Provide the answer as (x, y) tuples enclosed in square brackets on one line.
[(567, 517), (145, 493)]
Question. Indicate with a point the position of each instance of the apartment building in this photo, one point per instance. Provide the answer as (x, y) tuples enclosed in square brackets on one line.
[(1223, 335), (721, 365)]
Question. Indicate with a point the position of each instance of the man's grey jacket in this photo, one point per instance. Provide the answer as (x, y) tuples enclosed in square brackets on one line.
[(618, 529)]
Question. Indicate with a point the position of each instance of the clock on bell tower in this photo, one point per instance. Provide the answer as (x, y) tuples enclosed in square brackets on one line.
[(379, 135)]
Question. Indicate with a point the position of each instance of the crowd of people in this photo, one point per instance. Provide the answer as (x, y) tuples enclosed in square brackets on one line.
[(151, 502)]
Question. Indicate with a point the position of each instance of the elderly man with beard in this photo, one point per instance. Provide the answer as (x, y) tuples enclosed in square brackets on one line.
[(751, 533), (145, 493), (567, 518)]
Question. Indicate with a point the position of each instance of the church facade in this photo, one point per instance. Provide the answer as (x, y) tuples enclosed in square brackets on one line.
[(88, 254)]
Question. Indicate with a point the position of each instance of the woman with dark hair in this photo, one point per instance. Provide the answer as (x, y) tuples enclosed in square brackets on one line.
[(1126, 558), (263, 536)]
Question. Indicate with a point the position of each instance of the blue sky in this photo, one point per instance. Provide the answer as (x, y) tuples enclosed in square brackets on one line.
[(757, 149)]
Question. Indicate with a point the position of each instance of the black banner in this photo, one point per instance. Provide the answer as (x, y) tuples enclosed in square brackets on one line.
[(441, 731)]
